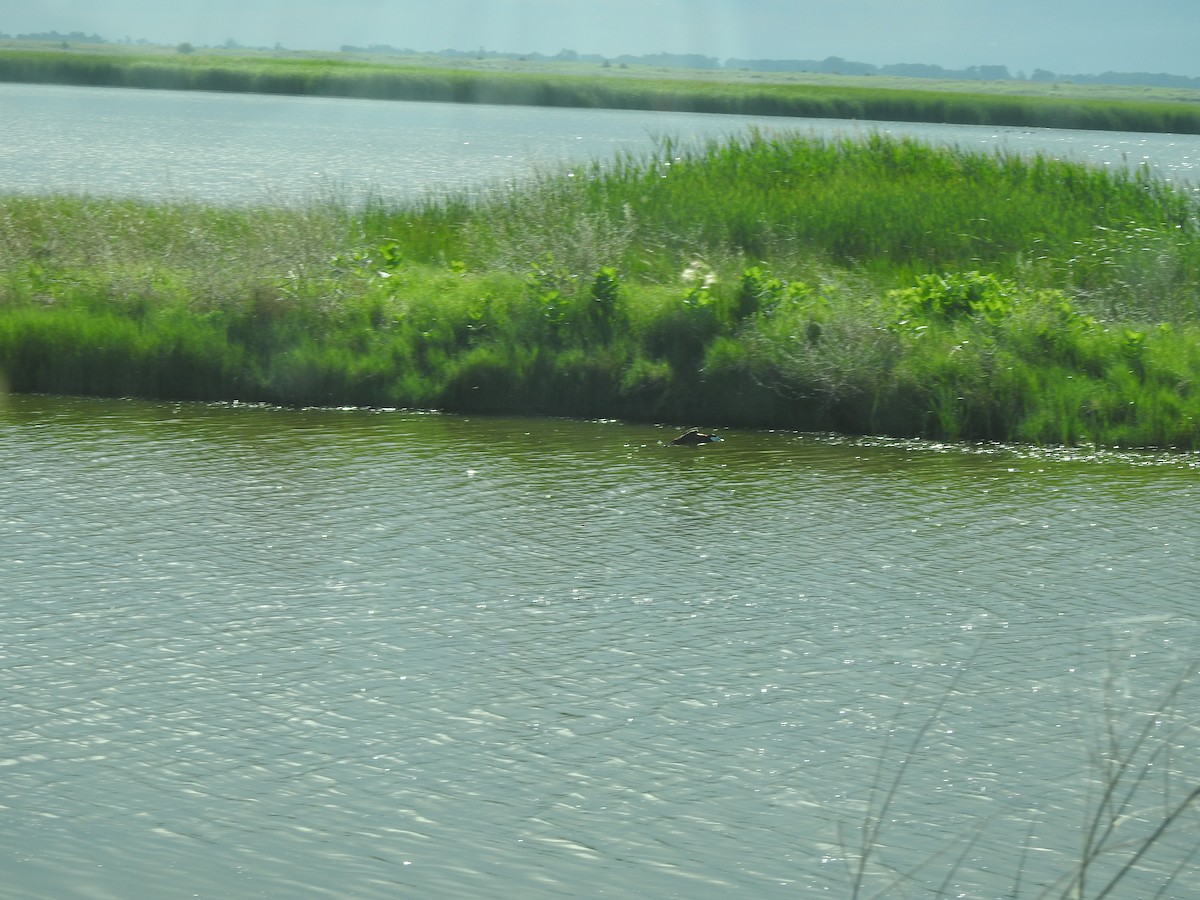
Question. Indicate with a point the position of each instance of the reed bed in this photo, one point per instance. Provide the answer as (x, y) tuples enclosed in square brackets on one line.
[(348, 77), (862, 286)]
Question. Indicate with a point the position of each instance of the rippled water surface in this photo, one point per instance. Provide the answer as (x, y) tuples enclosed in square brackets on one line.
[(251, 652), (246, 148)]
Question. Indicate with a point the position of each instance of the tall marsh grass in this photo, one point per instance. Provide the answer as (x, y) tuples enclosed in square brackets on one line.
[(864, 286), (341, 77)]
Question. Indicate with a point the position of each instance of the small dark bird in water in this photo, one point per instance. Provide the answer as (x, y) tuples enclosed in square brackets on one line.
[(693, 438)]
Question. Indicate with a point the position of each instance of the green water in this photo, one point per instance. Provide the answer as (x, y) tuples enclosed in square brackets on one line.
[(258, 652)]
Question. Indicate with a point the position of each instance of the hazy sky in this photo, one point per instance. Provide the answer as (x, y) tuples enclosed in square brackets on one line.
[(1064, 36)]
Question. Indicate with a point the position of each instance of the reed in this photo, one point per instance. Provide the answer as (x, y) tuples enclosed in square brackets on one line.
[(348, 77), (863, 286), (1140, 804)]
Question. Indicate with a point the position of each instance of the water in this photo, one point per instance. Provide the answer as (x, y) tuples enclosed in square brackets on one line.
[(246, 149), (252, 652)]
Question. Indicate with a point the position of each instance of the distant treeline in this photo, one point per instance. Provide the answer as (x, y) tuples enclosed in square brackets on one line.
[(835, 65), (661, 60), (832, 65), (76, 37)]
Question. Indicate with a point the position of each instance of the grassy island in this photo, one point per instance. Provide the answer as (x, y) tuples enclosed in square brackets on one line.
[(861, 286)]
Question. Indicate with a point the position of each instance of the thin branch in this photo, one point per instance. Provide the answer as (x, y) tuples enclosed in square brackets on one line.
[(1158, 832), (870, 830)]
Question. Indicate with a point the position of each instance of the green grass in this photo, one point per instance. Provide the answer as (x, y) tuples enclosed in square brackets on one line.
[(421, 80), (862, 286)]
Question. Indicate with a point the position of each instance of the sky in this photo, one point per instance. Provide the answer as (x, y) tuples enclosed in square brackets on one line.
[(1062, 36)]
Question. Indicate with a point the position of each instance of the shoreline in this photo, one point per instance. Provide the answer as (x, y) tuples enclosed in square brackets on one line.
[(797, 283), (578, 86)]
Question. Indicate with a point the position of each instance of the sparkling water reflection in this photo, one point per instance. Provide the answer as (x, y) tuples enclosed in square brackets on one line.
[(253, 149), (249, 651)]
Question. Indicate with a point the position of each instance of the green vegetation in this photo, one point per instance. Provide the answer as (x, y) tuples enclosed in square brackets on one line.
[(875, 286), (864, 98)]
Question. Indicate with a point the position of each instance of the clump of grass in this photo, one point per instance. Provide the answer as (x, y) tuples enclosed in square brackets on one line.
[(864, 286)]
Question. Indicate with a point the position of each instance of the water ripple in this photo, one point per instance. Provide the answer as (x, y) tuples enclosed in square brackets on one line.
[(321, 653)]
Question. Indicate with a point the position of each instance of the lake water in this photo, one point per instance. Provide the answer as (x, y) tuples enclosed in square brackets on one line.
[(253, 652), (239, 148)]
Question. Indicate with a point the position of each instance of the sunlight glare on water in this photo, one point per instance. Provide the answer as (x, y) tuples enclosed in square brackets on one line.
[(255, 149), (250, 651)]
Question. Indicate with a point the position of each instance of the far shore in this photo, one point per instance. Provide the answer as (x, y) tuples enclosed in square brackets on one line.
[(586, 85)]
